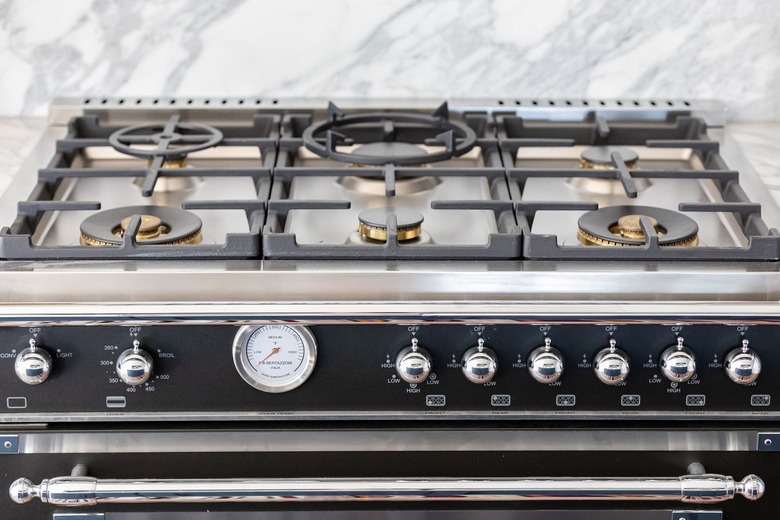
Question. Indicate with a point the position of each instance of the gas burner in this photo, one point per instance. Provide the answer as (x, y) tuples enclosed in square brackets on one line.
[(457, 138), (159, 225), (620, 226), (171, 141), (600, 157), (373, 223), (377, 185)]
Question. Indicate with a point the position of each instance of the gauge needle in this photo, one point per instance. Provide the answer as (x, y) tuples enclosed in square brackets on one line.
[(275, 350)]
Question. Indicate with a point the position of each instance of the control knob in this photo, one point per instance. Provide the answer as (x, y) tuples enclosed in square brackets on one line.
[(413, 364), (611, 364), (546, 363), (479, 364), (678, 362), (33, 364), (134, 365), (743, 364)]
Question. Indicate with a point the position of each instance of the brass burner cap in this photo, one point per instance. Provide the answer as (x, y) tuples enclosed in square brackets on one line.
[(629, 226), (373, 223), (151, 227)]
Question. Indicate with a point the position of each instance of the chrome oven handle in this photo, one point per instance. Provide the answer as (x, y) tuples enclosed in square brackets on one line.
[(83, 491)]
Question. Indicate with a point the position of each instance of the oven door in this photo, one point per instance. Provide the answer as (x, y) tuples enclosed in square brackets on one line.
[(381, 471)]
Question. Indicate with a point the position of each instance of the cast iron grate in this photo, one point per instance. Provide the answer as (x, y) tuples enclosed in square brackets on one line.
[(169, 140), (456, 136), (762, 243)]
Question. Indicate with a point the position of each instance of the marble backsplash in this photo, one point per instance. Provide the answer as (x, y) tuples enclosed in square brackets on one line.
[(653, 49)]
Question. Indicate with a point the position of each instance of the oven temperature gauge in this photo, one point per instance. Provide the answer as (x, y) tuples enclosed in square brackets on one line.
[(274, 358)]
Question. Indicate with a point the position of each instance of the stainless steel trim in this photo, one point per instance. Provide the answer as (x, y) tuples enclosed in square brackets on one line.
[(76, 491), (494, 514), (257, 283), (439, 414), (388, 440), (233, 108), (403, 313)]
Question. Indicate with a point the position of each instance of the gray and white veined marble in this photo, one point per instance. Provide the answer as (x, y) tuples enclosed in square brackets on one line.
[(728, 50)]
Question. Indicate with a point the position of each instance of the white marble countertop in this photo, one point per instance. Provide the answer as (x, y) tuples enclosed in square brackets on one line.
[(18, 136), (759, 141)]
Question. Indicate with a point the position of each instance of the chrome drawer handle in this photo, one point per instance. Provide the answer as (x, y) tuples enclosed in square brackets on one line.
[(83, 491)]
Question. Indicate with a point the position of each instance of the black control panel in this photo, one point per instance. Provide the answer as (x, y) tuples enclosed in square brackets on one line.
[(596, 369)]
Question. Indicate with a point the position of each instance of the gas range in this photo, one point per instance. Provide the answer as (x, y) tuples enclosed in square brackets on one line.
[(248, 288)]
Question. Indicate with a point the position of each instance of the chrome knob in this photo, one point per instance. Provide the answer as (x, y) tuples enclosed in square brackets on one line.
[(743, 364), (678, 362), (413, 364), (33, 365), (134, 365), (546, 363), (479, 364), (611, 364)]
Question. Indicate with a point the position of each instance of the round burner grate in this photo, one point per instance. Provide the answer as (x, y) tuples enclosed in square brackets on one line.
[(456, 138), (171, 140)]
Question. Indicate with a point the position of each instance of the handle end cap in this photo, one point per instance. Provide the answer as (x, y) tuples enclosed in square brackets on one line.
[(752, 487), (22, 491)]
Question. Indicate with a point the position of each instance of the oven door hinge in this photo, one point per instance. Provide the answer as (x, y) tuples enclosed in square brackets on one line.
[(769, 441), (9, 444), (697, 515), (77, 516)]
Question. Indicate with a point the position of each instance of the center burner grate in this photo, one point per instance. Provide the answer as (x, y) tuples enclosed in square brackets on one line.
[(394, 141), (515, 133), (165, 146)]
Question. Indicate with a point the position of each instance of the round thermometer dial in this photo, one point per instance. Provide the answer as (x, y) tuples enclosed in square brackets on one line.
[(274, 358)]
